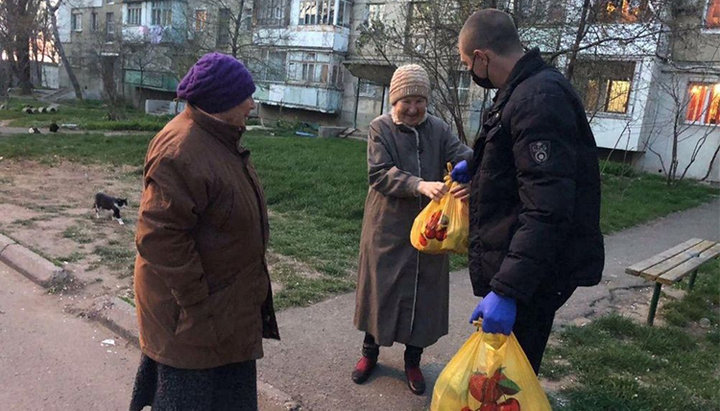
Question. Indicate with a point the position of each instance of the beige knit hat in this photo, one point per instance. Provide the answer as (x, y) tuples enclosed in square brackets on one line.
[(409, 80)]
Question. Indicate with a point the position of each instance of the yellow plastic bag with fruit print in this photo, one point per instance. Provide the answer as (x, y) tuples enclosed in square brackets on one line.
[(442, 227), (489, 373)]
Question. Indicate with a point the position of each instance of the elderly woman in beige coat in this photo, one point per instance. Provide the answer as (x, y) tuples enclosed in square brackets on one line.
[(402, 294)]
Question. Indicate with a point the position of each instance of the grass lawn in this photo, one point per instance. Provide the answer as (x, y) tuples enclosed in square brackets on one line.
[(617, 364), (88, 115), (316, 189)]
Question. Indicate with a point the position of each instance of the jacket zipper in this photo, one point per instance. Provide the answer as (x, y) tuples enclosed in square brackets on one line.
[(417, 259)]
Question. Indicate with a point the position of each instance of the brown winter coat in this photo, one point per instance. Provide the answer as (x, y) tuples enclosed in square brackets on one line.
[(201, 282), (402, 294)]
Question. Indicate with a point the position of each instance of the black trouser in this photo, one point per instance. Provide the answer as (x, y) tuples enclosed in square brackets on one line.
[(534, 322), (372, 349)]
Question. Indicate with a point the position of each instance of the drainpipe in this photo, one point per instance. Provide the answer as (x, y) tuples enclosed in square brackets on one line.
[(357, 102), (382, 102)]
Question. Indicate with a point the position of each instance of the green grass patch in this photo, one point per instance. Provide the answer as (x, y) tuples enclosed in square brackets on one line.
[(71, 258), (116, 257), (316, 189), (634, 199), (78, 234), (88, 115), (621, 365), (81, 148)]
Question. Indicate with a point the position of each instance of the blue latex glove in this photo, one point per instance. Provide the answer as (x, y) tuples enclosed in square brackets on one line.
[(460, 172), (498, 313)]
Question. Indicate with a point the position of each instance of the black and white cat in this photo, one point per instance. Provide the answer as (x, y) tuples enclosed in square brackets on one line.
[(106, 202)]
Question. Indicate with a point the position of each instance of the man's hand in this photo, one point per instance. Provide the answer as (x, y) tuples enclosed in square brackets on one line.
[(461, 192), (460, 173), (434, 190), (498, 313)]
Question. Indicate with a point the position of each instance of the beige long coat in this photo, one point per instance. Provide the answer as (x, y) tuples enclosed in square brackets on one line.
[(402, 294)]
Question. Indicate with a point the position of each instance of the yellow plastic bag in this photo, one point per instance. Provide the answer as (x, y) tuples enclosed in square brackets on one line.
[(442, 227), (489, 373)]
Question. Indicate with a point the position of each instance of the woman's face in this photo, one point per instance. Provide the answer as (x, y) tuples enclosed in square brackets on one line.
[(238, 114), (411, 110)]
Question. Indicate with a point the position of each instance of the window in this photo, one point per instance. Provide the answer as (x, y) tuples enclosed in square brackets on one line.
[(370, 90), (344, 13), (540, 12), (223, 35), (375, 14), (271, 67), (463, 86), (604, 85), (93, 22), (161, 13), (134, 16), (703, 103), (622, 11), (76, 22), (323, 12), (309, 69), (109, 24), (712, 18), (200, 19), (272, 13)]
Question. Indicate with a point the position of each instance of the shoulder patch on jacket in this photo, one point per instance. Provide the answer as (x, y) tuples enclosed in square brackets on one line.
[(540, 151)]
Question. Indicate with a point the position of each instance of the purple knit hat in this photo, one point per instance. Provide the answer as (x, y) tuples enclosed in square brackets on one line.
[(216, 83)]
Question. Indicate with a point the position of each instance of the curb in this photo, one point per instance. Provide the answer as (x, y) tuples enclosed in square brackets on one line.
[(112, 312)]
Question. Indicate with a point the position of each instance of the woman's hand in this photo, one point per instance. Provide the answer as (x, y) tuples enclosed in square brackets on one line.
[(434, 190), (461, 192)]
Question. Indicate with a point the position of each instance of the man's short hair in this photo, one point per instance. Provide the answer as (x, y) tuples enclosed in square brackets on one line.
[(490, 29)]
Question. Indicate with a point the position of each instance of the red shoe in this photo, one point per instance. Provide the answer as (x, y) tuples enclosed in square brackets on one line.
[(415, 380), (363, 369)]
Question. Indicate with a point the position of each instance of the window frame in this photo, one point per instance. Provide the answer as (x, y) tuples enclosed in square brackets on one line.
[(710, 5), (161, 13), (710, 97), (76, 21), (110, 24), (134, 10), (599, 84), (204, 21)]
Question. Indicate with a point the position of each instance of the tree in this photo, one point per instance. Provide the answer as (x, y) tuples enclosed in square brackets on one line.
[(52, 12), (426, 33), (18, 21)]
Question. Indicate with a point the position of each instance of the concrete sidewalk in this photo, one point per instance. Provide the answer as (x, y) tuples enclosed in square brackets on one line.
[(320, 346)]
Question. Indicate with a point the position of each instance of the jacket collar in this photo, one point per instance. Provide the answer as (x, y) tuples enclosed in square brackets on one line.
[(528, 65), (226, 133)]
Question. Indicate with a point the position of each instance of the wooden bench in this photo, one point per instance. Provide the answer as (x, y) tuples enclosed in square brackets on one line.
[(673, 265)]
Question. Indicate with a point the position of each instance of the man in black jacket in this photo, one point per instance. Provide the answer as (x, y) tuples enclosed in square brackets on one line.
[(535, 191)]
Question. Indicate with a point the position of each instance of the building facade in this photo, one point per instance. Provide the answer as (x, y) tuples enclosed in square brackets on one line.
[(648, 72)]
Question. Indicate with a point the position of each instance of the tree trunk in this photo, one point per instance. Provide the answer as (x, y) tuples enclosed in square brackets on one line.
[(712, 161), (21, 65), (569, 71), (61, 52)]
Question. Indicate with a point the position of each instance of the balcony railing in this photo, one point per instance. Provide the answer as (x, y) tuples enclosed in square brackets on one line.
[(155, 80)]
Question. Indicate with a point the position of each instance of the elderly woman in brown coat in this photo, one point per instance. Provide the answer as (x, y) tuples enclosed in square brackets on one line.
[(202, 289), (402, 294)]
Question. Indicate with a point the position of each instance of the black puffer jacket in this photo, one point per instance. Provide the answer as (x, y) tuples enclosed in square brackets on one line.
[(535, 202)]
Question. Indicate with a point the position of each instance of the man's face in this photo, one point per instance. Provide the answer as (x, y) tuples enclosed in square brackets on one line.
[(239, 114), (411, 110), (466, 59)]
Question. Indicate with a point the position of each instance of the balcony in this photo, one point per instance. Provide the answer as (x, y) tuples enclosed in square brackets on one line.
[(325, 100), (152, 35), (154, 80), (318, 37)]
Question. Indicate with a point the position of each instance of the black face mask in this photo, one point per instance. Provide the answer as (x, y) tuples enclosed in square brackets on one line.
[(480, 81)]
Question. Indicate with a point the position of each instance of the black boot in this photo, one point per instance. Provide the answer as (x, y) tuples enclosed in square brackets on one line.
[(367, 362), (415, 379)]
